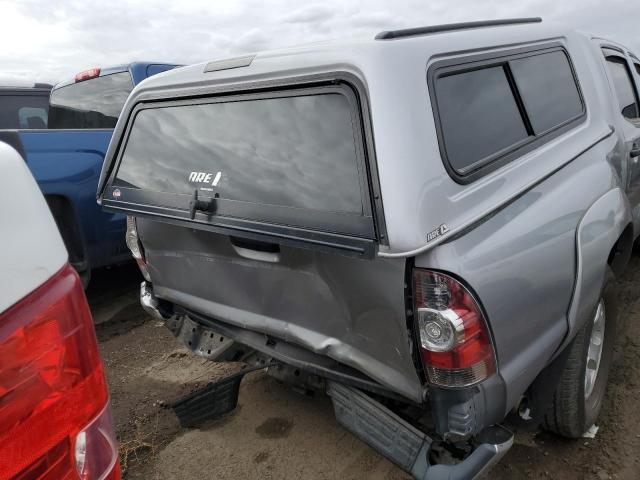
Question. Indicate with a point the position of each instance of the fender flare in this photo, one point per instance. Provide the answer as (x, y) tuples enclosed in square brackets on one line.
[(596, 235)]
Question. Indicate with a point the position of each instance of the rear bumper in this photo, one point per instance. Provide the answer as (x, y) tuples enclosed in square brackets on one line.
[(368, 419)]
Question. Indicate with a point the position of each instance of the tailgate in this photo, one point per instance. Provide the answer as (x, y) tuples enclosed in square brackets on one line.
[(256, 209)]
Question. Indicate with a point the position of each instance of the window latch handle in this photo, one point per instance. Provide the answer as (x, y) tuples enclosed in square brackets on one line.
[(195, 205)]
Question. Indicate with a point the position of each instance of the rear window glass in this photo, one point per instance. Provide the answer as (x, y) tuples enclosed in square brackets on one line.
[(23, 111), (94, 103), (292, 151), (479, 116), (548, 89)]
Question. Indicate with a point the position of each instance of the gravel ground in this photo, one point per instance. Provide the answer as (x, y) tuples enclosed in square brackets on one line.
[(280, 434)]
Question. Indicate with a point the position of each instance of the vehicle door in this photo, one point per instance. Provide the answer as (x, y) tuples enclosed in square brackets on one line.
[(627, 122), (635, 161)]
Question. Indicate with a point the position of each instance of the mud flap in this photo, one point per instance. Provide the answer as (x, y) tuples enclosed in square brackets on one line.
[(212, 401)]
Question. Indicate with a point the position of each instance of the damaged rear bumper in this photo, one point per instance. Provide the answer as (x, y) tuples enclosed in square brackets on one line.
[(368, 419)]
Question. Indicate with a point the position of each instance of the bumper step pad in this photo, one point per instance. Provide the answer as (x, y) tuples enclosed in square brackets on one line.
[(377, 426), (407, 446), (212, 401)]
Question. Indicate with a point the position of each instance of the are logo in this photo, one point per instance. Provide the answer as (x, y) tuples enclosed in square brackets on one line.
[(204, 177), (116, 193), (438, 232)]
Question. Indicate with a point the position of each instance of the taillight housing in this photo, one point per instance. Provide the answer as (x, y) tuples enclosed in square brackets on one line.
[(133, 242), (52, 388), (454, 340)]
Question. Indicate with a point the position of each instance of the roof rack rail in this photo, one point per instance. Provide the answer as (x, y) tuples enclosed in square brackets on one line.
[(410, 32)]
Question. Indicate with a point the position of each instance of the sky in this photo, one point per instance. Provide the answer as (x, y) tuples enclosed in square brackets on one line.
[(52, 40)]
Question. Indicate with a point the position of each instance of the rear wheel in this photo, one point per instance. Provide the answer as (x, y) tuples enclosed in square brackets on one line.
[(579, 395)]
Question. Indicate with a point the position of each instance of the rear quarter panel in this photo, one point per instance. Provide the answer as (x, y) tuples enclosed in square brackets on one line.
[(31, 249), (522, 264)]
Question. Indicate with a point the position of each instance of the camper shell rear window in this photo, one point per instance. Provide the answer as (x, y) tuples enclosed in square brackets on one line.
[(288, 163)]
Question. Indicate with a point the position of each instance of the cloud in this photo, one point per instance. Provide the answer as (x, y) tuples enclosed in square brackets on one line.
[(51, 41), (310, 14)]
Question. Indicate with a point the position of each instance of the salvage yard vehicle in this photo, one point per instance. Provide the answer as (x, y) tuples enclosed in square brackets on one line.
[(426, 225), (24, 106), (55, 418), (65, 150)]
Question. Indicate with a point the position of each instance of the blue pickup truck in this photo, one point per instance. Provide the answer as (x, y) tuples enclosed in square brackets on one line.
[(65, 146)]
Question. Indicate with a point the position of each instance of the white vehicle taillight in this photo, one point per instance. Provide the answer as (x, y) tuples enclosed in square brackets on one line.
[(96, 452), (54, 404), (133, 242), (455, 344)]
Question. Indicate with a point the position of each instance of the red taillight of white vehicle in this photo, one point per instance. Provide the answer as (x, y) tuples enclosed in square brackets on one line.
[(455, 344), (55, 422)]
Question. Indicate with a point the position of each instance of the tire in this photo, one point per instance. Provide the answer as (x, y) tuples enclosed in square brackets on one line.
[(577, 400)]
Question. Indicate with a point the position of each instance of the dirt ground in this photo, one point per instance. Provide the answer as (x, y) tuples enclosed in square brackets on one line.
[(276, 433)]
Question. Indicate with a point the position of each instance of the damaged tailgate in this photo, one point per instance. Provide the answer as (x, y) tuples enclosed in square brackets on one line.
[(261, 209)]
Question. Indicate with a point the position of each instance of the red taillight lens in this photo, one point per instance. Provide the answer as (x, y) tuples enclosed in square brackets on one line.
[(455, 345), (52, 383), (87, 75)]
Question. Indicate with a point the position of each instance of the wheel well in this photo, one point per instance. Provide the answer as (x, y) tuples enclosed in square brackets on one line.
[(621, 251), (64, 215)]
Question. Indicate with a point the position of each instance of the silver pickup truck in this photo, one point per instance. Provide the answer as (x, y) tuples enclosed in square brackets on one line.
[(426, 225)]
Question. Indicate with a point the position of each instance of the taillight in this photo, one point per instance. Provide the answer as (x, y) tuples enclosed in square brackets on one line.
[(52, 387), (96, 452), (455, 344), (87, 75), (133, 242)]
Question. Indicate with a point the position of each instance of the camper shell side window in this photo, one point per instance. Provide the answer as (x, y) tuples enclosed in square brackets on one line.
[(490, 109)]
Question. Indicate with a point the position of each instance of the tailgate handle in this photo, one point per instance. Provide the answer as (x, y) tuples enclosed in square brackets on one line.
[(255, 250), (195, 205)]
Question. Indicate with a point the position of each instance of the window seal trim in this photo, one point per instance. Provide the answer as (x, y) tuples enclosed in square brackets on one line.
[(509, 154)]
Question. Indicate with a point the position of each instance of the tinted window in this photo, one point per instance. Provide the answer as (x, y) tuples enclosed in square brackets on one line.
[(92, 103), (479, 116), (23, 111), (548, 89), (637, 65), (158, 68), (624, 88), (290, 151)]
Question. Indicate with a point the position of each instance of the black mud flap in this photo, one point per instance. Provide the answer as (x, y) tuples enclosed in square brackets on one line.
[(213, 400)]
